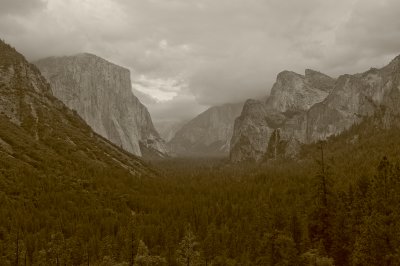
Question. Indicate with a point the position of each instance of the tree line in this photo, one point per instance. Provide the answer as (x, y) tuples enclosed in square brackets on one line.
[(339, 206)]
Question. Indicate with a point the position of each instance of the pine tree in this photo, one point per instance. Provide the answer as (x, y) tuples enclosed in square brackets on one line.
[(187, 253), (143, 257), (295, 228), (379, 240), (314, 258), (210, 244), (278, 249), (56, 250), (321, 217)]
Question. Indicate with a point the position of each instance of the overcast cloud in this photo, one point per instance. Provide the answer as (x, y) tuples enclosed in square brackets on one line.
[(186, 55)]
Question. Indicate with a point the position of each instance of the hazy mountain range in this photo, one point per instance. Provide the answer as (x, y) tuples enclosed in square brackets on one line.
[(208, 134), (168, 128), (300, 109)]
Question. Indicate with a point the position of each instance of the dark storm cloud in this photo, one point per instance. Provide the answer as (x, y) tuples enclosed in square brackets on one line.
[(9, 7), (188, 54)]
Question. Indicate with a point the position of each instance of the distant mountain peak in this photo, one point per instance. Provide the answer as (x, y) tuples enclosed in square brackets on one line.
[(396, 59), (287, 75), (295, 92), (394, 63), (313, 107), (311, 72), (208, 134)]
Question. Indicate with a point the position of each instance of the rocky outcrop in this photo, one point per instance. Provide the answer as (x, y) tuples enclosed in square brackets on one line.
[(354, 97), (208, 134), (315, 107), (252, 131), (41, 135), (293, 92), (101, 93), (284, 112)]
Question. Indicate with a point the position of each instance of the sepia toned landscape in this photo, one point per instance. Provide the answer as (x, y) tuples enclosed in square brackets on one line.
[(182, 133)]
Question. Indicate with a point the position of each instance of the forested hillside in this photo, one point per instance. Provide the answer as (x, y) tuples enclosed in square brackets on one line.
[(196, 133), (69, 197), (341, 208)]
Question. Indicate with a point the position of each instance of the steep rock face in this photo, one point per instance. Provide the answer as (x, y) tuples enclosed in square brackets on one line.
[(279, 146), (16, 75), (101, 93), (349, 99), (38, 132), (293, 92), (207, 134), (291, 96), (167, 129), (252, 130), (354, 97)]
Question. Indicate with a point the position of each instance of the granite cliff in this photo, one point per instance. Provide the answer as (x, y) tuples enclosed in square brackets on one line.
[(305, 109), (353, 98), (208, 134), (293, 92), (101, 93), (42, 136), (281, 114)]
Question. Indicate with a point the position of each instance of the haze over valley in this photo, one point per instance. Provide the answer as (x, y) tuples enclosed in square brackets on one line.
[(188, 133)]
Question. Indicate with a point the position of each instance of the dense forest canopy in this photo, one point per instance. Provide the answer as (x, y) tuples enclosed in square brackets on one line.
[(200, 133), (337, 205)]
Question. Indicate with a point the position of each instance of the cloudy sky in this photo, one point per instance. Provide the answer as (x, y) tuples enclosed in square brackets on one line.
[(186, 55)]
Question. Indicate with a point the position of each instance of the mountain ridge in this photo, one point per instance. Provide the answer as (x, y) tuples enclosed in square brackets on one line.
[(208, 134), (40, 133), (101, 92), (337, 105)]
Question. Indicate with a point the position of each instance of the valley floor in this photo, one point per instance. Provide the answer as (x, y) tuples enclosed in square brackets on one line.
[(343, 210)]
